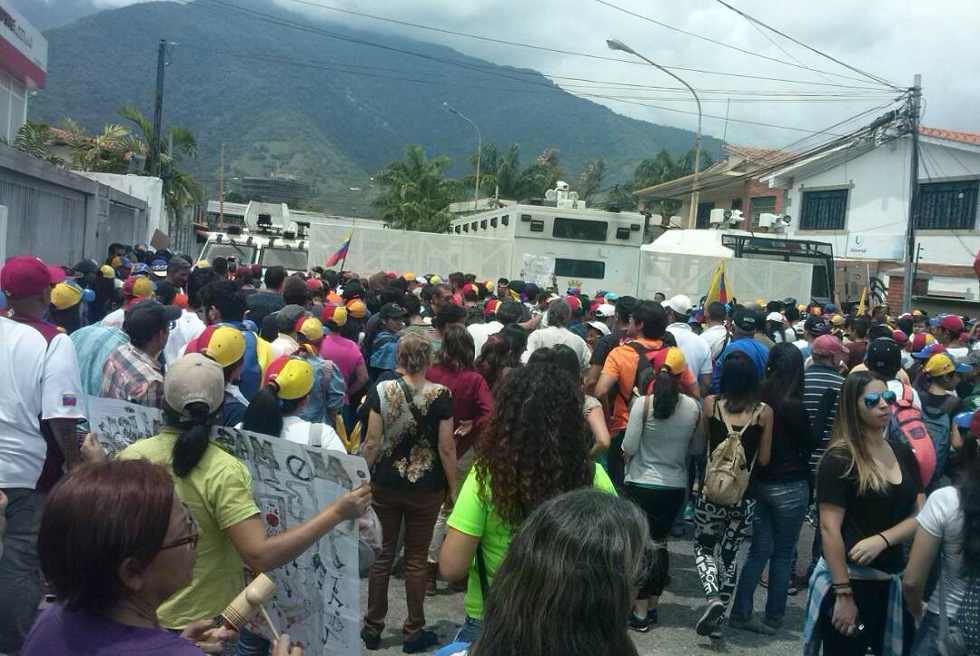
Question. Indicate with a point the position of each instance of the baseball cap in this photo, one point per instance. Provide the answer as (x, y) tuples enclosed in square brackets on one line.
[(223, 344), (121, 261), (929, 350), (314, 285), (605, 310), (611, 297), (598, 325), (310, 329), (356, 308), (140, 269), (747, 320), (828, 345), (674, 361), (883, 354), (950, 322), (409, 276), (26, 275), (574, 304), (490, 308), (85, 267), (680, 304), (194, 378), (292, 377), (334, 313), (107, 271), (202, 264), (900, 337), (941, 364), (836, 320), (159, 267), (816, 325), (69, 294), (775, 316), (919, 341), (392, 311), (970, 421), (287, 317), (135, 287)]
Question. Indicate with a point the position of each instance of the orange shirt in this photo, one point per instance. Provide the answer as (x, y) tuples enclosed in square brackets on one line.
[(621, 365)]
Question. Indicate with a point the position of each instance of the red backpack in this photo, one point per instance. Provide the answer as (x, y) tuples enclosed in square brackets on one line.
[(906, 425)]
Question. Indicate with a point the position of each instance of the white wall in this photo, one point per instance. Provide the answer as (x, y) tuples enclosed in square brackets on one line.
[(879, 196), (146, 188)]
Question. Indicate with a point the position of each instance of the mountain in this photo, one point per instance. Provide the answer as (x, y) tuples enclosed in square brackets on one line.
[(314, 101), (46, 14)]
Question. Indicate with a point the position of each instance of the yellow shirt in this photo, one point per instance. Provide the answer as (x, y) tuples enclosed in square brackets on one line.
[(219, 493)]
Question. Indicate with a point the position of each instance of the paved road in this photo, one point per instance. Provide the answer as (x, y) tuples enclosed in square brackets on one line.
[(673, 636)]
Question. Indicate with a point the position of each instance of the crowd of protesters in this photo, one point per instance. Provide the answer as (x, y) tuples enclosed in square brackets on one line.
[(486, 410)]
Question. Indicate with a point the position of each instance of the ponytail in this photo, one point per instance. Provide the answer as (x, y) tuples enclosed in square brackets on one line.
[(193, 439), (666, 393), (264, 412)]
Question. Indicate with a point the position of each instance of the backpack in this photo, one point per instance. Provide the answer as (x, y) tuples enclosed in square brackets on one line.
[(727, 474), (647, 364), (378, 342), (937, 421), (906, 425)]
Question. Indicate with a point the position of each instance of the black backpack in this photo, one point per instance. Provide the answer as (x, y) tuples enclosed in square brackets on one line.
[(647, 364)]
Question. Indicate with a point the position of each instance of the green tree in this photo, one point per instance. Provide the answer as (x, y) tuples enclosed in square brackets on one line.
[(501, 173), (591, 179), (416, 192)]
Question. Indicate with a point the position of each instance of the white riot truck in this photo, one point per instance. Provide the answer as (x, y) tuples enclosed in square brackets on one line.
[(559, 242)]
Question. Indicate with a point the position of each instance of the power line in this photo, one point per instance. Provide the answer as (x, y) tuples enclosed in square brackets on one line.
[(713, 41), (810, 48), (282, 22)]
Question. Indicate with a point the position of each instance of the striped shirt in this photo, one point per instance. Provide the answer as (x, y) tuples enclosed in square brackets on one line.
[(819, 377)]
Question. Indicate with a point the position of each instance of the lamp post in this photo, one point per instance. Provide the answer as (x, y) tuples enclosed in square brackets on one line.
[(479, 151), (616, 44)]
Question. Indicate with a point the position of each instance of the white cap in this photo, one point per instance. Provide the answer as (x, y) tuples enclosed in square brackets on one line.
[(774, 316), (680, 304), (598, 325), (605, 310)]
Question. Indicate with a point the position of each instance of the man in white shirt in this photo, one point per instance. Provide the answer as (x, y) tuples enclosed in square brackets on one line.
[(497, 314), (286, 320), (696, 351), (39, 408), (556, 333), (716, 334)]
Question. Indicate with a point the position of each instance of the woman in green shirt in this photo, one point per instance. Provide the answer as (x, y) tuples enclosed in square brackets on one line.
[(535, 447)]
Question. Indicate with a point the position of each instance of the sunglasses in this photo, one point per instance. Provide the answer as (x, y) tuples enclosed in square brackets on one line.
[(873, 398)]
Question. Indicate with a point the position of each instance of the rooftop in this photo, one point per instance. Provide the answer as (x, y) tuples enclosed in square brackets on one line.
[(950, 135)]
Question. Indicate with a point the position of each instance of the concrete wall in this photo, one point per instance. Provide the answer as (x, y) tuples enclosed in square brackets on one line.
[(146, 188)]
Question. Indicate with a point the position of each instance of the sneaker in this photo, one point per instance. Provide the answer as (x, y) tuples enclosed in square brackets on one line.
[(639, 624), (372, 641), (712, 614), (652, 617), (752, 624), (792, 588), (422, 641), (688, 513), (716, 632)]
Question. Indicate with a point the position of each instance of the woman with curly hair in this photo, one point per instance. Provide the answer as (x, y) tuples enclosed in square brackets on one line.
[(535, 447), (495, 361)]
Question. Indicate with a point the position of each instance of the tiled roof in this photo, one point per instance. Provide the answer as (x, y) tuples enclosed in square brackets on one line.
[(759, 155), (950, 135)]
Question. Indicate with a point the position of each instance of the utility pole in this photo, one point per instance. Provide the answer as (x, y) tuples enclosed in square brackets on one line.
[(221, 187), (158, 110), (913, 213)]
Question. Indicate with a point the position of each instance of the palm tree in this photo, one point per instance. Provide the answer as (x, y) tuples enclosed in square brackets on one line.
[(36, 139), (417, 194)]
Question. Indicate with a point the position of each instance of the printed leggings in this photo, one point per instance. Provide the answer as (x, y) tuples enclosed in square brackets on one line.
[(718, 533)]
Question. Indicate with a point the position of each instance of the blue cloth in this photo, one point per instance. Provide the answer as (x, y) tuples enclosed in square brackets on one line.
[(383, 357), (779, 512), (93, 344), (251, 378), (323, 399), (820, 584), (469, 632), (455, 649), (747, 345)]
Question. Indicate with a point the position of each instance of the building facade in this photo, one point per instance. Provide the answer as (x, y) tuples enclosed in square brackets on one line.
[(23, 68)]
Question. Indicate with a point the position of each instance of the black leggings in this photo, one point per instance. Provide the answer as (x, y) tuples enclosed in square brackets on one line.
[(661, 507)]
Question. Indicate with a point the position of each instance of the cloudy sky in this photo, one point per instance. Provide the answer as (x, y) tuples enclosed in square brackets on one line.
[(890, 39)]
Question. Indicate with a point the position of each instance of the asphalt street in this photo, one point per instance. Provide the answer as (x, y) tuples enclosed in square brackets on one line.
[(674, 635)]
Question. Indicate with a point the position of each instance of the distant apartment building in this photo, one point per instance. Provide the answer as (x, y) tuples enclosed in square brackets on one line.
[(277, 189)]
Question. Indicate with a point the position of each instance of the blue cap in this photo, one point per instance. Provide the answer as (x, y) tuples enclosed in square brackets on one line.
[(963, 419), (140, 269), (929, 351), (829, 307)]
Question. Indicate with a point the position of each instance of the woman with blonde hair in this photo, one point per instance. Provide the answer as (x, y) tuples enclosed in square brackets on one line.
[(868, 493), (410, 448)]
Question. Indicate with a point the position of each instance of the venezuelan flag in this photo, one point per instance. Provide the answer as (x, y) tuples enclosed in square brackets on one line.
[(718, 289), (341, 252)]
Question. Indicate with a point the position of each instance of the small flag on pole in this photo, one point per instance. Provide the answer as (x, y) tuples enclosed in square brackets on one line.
[(861, 308), (718, 289), (341, 252)]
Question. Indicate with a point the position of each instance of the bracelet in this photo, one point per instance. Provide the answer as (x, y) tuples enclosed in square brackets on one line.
[(882, 536), (841, 585), (843, 592)]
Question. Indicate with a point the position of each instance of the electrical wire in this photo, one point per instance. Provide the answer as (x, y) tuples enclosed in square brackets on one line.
[(712, 41), (752, 19), (282, 22), (923, 155)]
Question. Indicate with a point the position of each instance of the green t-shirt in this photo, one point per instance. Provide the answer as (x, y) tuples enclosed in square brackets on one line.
[(219, 493), (472, 516)]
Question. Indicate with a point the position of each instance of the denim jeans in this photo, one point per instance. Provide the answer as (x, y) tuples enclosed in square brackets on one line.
[(926, 636), (20, 569), (779, 512), (469, 631)]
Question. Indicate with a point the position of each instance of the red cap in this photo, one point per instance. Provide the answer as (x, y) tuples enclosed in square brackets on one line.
[(26, 275), (314, 285)]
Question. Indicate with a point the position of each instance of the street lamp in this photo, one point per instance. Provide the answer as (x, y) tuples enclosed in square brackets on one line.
[(616, 44), (479, 151)]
